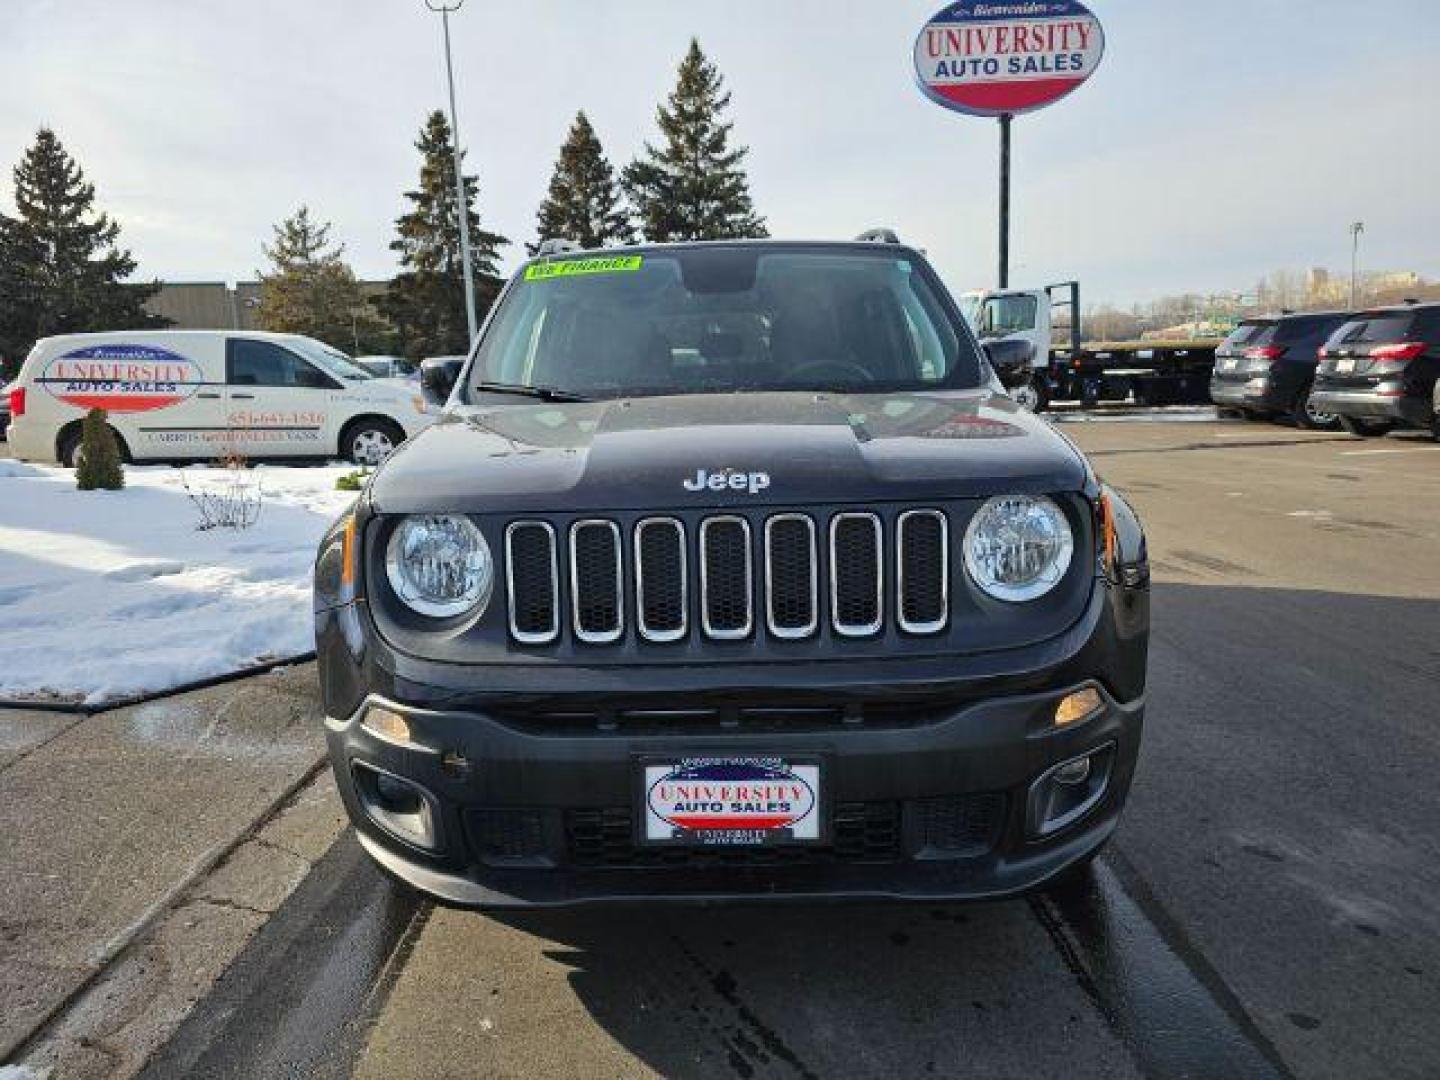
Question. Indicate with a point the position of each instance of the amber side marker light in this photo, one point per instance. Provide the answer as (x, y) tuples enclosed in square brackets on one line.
[(1107, 528), (1077, 706), (387, 724), (347, 552)]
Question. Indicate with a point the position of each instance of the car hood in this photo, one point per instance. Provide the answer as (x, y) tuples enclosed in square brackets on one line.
[(659, 453)]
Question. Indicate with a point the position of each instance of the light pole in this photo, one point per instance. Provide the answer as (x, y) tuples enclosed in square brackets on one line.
[(445, 8), (1356, 228)]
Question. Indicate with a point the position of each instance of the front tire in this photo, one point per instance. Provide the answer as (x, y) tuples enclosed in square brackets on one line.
[(370, 440), (1366, 429)]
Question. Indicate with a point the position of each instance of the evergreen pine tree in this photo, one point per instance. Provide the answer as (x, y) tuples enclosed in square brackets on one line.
[(63, 269), (426, 301), (583, 203), (312, 290), (98, 463), (694, 187)]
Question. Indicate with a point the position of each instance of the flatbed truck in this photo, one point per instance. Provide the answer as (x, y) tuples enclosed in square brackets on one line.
[(1146, 372)]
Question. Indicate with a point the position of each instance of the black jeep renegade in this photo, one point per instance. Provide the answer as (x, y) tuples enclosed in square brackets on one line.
[(731, 571)]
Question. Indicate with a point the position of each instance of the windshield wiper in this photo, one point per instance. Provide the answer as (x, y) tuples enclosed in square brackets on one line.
[(543, 393)]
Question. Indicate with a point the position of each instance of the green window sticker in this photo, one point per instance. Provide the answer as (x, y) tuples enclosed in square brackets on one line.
[(615, 264)]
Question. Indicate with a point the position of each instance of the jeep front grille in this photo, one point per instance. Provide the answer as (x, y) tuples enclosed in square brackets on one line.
[(711, 576), (856, 575), (792, 576), (597, 582), (727, 582)]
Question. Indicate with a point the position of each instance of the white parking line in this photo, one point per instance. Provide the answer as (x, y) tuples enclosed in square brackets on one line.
[(1406, 450)]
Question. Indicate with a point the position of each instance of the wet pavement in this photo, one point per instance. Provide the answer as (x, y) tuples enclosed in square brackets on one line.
[(1267, 908), (92, 853)]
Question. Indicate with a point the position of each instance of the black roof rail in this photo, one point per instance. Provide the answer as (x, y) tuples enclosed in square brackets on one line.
[(1411, 300), (878, 236), (557, 246)]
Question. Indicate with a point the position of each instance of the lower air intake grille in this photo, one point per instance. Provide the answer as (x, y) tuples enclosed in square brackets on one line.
[(860, 833), (960, 826)]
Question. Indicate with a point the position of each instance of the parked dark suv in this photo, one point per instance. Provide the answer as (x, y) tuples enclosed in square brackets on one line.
[(730, 571), (1378, 370), (1266, 367)]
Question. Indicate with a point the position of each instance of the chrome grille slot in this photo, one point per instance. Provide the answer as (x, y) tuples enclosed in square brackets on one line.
[(596, 581), (792, 576), (726, 578), (922, 571), (661, 594), (873, 572), (856, 575), (532, 580)]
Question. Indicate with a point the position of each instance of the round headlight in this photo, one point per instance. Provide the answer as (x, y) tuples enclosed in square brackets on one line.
[(1018, 547), (440, 565)]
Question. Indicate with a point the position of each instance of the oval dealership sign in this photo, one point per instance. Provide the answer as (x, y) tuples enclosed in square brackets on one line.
[(122, 378), (989, 58)]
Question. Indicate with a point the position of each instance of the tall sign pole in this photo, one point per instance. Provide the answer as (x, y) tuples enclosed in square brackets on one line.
[(462, 209), (1001, 59), (1004, 276)]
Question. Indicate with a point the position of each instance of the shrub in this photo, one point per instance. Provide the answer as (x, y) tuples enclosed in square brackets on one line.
[(99, 459), (231, 502), (352, 481)]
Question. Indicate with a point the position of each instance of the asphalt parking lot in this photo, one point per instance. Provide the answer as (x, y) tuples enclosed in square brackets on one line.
[(1268, 907)]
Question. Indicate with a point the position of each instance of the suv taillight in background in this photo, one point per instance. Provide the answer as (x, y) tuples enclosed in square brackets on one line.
[(17, 401), (1267, 353), (1401, 352)]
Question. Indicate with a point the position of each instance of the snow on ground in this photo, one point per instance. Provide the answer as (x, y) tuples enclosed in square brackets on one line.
[(108, 593)]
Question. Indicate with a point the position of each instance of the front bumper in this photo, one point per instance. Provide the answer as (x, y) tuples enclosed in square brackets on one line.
[(993, 750), (1411, 410)]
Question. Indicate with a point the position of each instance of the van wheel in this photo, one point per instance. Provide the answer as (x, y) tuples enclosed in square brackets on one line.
[(370, 440), (1307, 416), (1366, 429), (68, 448)]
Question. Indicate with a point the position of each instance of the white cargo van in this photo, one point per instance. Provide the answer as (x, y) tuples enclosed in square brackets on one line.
[(203, 393)]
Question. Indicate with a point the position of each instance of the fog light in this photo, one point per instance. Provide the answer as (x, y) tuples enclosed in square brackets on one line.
[(1066, 792), (1073, 772), (397, 796), (399, 806), (387, 724), (1077, 706)]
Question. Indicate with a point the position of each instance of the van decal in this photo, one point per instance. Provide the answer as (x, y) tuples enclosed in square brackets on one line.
[(122, 378)]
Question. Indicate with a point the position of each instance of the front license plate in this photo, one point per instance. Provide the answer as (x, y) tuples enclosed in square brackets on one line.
[(731, 801)]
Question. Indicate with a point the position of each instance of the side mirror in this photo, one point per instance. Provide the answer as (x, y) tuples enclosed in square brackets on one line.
[(1011, 358), (438, 376)]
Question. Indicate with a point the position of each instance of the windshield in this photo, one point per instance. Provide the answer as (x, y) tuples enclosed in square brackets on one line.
[(725, 319), (1003, 315), (332, 360)]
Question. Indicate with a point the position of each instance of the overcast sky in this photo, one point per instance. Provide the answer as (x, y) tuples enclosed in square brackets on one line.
[(1219, 140)]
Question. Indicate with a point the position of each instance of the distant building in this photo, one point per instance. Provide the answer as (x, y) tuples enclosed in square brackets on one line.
[(213, 305)]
